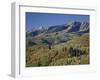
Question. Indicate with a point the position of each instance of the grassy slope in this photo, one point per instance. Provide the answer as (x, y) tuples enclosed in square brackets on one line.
[(41, 55)]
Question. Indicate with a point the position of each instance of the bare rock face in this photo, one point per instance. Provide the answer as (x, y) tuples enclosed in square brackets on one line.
[(70, 27), (84, 26)]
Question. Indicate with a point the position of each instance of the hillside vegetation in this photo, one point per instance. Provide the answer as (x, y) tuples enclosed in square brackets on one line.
[(57, 48)]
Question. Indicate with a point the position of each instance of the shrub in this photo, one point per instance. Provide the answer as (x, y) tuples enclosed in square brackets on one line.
[(62, 61), (44, 60)]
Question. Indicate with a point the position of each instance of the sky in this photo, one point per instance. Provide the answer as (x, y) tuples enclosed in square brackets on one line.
[(36, 20)]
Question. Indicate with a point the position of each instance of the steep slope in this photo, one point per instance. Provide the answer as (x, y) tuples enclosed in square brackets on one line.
[(57, 34), (69, 27)]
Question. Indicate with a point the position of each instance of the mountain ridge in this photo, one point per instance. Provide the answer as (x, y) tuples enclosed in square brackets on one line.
[(58, 33), (72, 27)]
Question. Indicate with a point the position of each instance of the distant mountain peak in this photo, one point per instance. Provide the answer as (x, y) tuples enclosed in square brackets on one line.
[(74, 26)]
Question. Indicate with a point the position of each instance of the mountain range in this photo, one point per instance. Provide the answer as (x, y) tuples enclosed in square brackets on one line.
[(57, 34), (70, 27)]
